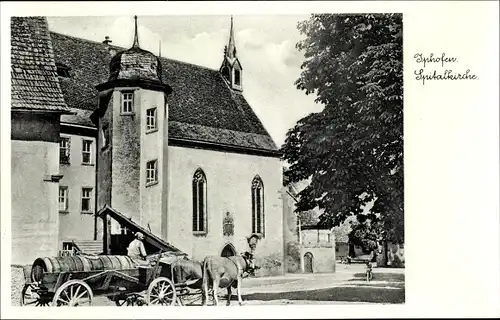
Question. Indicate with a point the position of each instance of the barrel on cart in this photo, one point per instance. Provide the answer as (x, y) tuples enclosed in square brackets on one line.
[(75, 280)]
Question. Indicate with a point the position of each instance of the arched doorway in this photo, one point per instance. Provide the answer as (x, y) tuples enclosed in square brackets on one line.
[(228, 251), (308, 263)]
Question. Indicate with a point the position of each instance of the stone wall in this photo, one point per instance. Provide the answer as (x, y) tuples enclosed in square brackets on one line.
[(34, 211), (153, 197), (229, 177), (125, 173), (323, 258), (290, 233)]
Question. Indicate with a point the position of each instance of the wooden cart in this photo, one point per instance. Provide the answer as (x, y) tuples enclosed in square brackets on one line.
[(142, 285)]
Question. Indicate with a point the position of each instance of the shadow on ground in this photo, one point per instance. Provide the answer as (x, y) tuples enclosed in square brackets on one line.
[(380, 276), (347, 294)]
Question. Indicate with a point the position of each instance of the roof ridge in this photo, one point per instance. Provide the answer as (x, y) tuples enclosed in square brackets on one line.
[(123, 48), (83, 39), (190, 64)]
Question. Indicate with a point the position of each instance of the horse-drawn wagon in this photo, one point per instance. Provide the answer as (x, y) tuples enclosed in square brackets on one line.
[(166, 278), (76, 280)]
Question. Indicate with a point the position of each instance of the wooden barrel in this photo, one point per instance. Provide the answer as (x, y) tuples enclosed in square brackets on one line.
[(79, 263)]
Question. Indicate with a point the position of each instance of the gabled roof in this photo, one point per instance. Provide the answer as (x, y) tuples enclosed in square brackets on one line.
[(201, 101), (33, 69)]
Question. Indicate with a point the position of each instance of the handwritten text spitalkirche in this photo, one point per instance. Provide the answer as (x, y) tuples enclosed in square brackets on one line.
[(432, 62)]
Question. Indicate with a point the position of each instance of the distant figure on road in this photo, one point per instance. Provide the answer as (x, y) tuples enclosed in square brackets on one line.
[(136, 249), (369, 274)]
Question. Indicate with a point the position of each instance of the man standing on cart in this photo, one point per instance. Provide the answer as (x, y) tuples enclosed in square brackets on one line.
[(136, 250)]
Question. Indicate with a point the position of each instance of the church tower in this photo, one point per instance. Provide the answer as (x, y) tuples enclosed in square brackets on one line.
[(231, 68), (132, 144)]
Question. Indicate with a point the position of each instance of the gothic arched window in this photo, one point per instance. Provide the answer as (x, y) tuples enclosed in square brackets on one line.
[(258, 222), (199, 202)]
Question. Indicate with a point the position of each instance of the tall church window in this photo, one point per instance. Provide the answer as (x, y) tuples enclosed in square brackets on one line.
[(64, 144), (258, 222), (127, 102), (199, 202)]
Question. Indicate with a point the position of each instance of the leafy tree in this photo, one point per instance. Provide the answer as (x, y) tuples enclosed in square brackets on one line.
[(364, 235), (352, 151)]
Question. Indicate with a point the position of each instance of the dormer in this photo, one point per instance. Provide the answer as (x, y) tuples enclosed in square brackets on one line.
[(231, 69)]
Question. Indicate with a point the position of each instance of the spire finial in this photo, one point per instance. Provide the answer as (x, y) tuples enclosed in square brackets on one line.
[(231, 47), (136, 35)]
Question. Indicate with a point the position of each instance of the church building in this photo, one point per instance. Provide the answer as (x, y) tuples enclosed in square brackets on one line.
[(173, 146)]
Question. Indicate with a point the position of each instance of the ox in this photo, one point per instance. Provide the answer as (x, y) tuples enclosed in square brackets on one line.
[(188, 271), (226, 272)]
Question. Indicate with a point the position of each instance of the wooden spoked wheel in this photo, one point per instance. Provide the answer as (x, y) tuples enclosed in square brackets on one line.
[(30, 297), (74, 293), (161, 292)]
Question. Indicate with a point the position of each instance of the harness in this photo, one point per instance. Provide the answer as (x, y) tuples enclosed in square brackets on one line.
[(238, 269)]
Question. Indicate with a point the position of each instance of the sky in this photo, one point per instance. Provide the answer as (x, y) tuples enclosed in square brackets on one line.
[(265, 46)]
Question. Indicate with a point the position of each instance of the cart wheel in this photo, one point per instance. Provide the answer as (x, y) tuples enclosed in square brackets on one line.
[(73, 293), (161, 291), (30, 297)]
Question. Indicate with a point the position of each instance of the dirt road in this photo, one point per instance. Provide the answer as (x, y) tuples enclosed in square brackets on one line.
[(347, 285)]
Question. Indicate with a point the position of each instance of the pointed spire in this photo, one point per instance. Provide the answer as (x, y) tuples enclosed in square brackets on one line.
[(231, 47), (136, 35)]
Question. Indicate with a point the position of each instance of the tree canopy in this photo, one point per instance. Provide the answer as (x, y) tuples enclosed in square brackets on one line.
[(351, 151)]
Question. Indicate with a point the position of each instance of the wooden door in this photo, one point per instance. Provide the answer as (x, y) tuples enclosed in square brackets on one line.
[(308, 263)]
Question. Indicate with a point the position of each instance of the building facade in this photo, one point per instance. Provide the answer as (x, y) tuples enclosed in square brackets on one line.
[(76, 199), (37, 104), (309, 247), (173, 146)]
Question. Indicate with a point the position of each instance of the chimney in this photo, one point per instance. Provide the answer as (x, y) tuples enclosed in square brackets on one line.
[(106, 40)]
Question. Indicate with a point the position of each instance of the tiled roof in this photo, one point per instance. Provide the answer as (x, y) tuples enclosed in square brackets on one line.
[(202, 107), (78, 116), (33, 69)]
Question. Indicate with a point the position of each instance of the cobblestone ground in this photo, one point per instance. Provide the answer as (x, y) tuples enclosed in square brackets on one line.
[(346, 286), (16, 285)]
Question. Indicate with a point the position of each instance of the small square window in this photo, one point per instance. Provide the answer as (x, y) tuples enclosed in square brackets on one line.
[(152, 172), (62, 70), (86, 200), (151, 119), (64, 145), (127, 102), (67, 246), (87, 151)]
